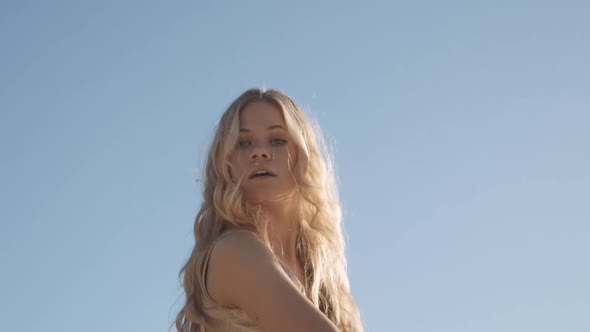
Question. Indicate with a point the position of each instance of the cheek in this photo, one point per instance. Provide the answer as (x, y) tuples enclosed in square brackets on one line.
[(292, 159), (236, 171)]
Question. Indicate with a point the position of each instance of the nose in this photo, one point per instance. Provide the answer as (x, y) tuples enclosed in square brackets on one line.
[(260, 153)]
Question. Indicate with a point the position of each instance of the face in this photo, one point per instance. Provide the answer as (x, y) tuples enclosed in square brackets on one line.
[(265, 155)]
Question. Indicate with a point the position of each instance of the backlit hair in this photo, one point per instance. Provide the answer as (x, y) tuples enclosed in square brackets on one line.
[(320, 242)]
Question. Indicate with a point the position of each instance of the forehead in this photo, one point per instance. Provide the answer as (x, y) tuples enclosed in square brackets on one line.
[(261, 115)]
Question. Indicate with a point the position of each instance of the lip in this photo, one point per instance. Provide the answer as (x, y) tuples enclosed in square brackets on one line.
[(251, 176)]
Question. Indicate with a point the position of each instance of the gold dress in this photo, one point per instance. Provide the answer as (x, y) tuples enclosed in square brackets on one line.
[(225, 319)]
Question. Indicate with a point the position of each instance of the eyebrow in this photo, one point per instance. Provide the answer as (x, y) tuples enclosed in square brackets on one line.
[(244, 130)]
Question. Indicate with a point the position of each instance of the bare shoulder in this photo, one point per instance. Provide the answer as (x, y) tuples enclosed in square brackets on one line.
[(235, 252), (243, 273), (239, 245)]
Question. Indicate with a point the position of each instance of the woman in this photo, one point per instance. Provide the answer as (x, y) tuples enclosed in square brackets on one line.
[(269, 253)]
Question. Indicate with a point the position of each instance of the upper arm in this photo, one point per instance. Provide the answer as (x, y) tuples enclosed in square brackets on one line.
[(242, 272)]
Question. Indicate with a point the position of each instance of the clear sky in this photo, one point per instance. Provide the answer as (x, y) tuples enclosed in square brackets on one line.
[(460, 129)]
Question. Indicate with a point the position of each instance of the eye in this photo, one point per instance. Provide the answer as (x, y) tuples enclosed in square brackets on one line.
[(243, 144), (278, 141)]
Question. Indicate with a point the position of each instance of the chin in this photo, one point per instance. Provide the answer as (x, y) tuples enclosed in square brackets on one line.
[(262, 198)]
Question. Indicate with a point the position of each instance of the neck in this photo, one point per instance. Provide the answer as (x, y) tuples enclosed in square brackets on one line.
[(283, 228)]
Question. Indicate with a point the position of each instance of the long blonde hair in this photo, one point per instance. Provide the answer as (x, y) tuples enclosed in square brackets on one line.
[(320, 242)]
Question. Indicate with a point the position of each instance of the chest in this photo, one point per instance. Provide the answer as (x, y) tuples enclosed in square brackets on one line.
[(296, 272)]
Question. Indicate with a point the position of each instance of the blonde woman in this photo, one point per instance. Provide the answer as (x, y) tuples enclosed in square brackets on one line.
[(269, 253)]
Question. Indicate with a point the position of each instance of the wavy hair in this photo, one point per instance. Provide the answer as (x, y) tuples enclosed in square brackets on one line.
[(320, 242)]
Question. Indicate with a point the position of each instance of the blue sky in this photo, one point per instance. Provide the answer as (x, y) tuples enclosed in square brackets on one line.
[(460, 129)]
